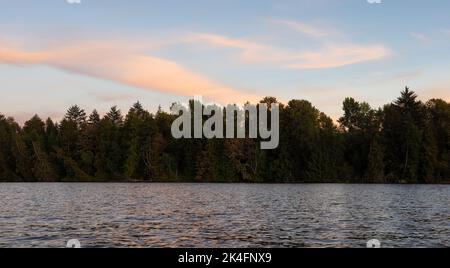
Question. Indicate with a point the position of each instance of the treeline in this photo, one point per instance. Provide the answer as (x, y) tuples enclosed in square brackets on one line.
[(406, 141)]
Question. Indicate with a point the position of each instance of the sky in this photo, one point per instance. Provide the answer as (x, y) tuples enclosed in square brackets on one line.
[(101, 53)]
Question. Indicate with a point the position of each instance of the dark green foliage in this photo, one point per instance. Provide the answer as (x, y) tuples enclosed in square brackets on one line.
[(76, 115), (363, 149), (406, 141)]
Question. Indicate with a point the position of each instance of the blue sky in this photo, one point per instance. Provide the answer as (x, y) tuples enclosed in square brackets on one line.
[(101, 53)]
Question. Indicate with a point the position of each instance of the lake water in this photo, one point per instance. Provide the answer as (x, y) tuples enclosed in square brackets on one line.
[(224, 215)]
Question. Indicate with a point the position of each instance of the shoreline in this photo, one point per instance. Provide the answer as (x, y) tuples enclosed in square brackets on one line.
[(235, 183)]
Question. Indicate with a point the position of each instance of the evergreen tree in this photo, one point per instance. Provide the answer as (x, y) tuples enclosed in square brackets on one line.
[(94, 118), (76, 115), (405, 141), (115, 116), (403, 125)]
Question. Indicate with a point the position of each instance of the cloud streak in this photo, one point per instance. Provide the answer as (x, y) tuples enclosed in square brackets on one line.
[(421, 37), (328, 56), (302, 28), (116, 62), (340, 55)]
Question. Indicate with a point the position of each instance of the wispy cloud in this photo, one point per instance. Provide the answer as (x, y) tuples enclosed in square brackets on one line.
[(224, 41), (116, 62), (421, 37), (329, 56), (303, 28), (340, 55), (249, 51)]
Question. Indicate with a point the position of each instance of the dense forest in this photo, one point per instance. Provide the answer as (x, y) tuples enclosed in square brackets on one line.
[(407, 141)]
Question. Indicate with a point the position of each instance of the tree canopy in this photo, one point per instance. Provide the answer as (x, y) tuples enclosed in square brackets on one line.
[(406, 141)]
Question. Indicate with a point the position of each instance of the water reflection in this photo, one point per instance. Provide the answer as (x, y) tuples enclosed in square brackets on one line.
[(223, 215)]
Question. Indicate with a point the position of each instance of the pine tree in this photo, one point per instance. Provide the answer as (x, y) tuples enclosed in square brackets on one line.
[(94, 118), (76, 114), (115, 116), (403, 126), (406, 141)]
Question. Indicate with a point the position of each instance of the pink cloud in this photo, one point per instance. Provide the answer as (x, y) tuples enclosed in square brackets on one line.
[(329, 56), (224, 41), (250, 52), (119, 63), (340, 55)]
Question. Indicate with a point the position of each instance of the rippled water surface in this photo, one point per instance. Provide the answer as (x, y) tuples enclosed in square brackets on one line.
[(224, 215)]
